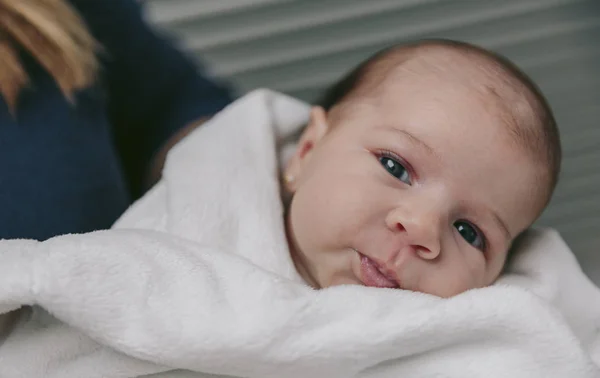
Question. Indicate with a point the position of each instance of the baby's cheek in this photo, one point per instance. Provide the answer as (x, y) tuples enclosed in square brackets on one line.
[(353, 208), (314, 217), (451, 286), (341, 201), (451, 280)]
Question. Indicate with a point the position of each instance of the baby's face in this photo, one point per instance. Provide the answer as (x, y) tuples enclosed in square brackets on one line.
[(419, 188)]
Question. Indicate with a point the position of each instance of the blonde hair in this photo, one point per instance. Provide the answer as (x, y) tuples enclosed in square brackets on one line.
[(53, 33)]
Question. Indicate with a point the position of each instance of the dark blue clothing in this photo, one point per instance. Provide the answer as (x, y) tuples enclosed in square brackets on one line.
[(75, 168)]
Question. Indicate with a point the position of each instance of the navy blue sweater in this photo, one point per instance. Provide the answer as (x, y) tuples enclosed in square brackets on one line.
[(75, 168)]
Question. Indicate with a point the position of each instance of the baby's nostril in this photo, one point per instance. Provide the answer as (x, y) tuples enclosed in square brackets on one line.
[(400, 227), (422, 249), (425, 252)]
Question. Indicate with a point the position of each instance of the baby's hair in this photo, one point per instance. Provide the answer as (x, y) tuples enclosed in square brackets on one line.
[(533, 128)]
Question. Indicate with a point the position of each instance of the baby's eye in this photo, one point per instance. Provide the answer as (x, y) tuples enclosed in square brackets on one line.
[(395, 169), (470, 234)]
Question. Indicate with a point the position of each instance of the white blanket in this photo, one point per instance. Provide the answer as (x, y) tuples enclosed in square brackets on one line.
[(195, 279)]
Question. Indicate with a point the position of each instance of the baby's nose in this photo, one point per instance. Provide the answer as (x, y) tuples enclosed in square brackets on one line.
[(421, 230)]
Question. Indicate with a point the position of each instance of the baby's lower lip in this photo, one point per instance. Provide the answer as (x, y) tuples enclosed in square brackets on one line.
[(371, 276)]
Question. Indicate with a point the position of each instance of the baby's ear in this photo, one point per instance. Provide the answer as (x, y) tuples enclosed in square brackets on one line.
[(313, 133)]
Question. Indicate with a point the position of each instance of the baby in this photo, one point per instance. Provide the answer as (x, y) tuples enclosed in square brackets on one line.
[(418, 171)]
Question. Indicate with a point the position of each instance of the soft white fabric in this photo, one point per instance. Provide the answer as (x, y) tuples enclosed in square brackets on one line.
[(196, 277)]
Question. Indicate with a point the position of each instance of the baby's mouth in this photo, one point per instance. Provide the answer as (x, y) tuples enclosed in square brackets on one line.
[(373, 275)]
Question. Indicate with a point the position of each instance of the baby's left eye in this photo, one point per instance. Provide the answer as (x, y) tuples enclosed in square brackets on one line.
[(395, 168), (471, 234)]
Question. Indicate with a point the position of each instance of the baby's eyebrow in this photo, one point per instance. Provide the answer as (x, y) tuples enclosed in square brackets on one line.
[(413, 139)]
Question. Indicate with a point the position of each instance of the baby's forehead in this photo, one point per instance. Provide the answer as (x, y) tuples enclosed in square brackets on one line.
[(472, 75), (462, 68)]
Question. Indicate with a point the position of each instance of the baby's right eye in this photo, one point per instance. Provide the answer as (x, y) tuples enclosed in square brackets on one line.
[(395, 168)]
